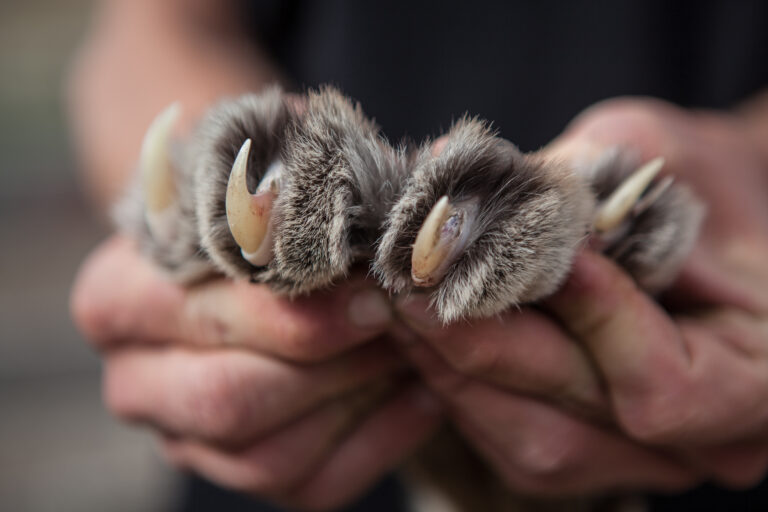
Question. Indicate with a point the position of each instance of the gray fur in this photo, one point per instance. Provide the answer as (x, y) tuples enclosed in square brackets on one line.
[(655, 243), (341, 178), (531, 219), (264, 119), (347, 195)]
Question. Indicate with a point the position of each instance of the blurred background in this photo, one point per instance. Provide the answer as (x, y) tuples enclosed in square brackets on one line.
[(59, 448)]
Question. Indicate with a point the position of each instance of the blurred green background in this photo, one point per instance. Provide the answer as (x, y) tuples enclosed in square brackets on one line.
[(59, 449)]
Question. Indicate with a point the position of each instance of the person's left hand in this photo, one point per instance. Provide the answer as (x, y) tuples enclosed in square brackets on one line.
[(601, 388)]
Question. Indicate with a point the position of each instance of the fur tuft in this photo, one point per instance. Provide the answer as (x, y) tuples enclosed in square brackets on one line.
[(341, 179), (530, 220), (177, 253), (263, 118), (654, 244)]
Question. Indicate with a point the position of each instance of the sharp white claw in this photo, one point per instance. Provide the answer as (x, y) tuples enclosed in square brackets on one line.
[(250, 215), (157, 173), (438, 242), (615, 209), (653, 195)]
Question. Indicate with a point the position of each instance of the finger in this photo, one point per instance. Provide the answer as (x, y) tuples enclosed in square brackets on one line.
[(537, 447), (595, 463), (119, 296), (521, 351), (625, 330), (231, 397), (382, 442), (649, 126), (115, 288), (738, 465), (723, 273), (668, 383), (279, 462)]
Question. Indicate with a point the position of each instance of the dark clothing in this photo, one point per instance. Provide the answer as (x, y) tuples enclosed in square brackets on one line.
[(528, 66), (202, 496), (388, 496)]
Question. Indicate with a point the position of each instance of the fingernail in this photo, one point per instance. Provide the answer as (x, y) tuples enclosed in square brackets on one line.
[(425, 400), (369, 309), (415, 311)]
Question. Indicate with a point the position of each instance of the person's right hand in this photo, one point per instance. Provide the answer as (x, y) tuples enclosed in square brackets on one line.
[(296, 401)]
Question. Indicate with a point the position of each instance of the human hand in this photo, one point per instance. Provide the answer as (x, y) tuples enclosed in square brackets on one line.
[(602, 388), (299, 401)]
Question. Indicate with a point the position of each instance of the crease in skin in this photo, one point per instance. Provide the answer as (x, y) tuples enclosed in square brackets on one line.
[(441, 238), (249, 216), (622, 201), (157, 174)]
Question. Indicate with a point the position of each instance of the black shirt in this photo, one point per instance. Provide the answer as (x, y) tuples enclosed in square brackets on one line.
[(529, 66)]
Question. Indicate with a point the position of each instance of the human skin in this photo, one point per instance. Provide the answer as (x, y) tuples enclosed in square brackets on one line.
[(520, 388)]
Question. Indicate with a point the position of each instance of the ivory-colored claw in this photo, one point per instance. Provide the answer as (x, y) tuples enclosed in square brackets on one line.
[(155, 163), (652, 195), (620, 203), (437, 243), (157, 175), (250, 215)]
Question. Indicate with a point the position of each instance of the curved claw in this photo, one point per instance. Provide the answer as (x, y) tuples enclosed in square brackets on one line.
[(439, 240), (157, 174), (249, 216), (620, 203)]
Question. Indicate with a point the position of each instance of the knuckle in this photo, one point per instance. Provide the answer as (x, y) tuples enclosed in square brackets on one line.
[(300, 341), (117, 391), (592, 322), (481, 359), (80, 306), (113, 394), (89, 315), (657, 418), (208, 326), (546, 461), (269, 474), (259, 482), (100, 312), (216, 402)]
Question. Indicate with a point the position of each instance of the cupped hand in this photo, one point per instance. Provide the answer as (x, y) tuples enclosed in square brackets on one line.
[(299, 401), (601, 387)]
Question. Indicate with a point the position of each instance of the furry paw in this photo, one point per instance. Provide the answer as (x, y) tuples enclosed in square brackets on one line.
[(341, 177), (158, 211), (482, 225), (292, 191), (656, 228), (268, 189)]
